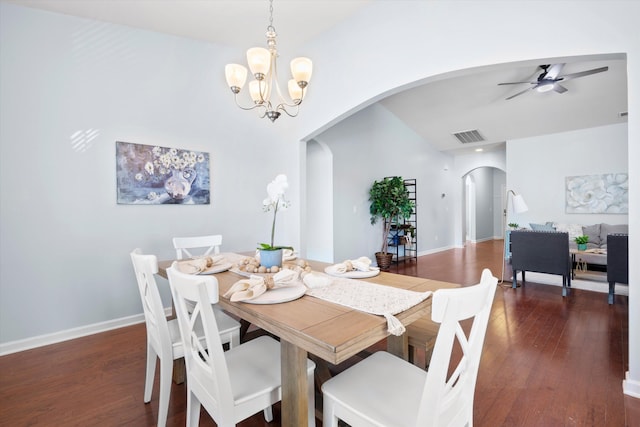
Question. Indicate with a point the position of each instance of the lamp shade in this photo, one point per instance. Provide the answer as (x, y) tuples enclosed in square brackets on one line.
[(295, 91), (259, 60), (519, 206), (301, 69), (236, 75)]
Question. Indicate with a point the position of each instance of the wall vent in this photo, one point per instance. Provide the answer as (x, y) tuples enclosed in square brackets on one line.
[(623, 114), (468, 136)]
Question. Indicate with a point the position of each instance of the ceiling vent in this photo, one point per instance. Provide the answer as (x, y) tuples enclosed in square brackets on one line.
[(468, 136)]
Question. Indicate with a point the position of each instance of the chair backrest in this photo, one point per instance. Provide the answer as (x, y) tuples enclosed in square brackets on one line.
[(184, 245), (618, 258), (541, 251), (207, 373), (447, 400), (145, 268)]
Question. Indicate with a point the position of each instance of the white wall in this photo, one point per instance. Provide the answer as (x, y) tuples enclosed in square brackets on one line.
[(537, 168), (368, 146), (65, 242)]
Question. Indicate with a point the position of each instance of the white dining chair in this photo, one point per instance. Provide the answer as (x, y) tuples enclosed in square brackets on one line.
[(231, 385), (384, 390), (206, 245), (163, 336)]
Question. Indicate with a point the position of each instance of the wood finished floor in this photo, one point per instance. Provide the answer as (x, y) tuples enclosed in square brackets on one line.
[(547, 361)]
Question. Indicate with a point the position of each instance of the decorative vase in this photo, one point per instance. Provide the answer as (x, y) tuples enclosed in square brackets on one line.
[(384, 260), (271, 258), (178, 185)]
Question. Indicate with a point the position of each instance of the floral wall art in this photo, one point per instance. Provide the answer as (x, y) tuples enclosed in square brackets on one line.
[(153, 175), (601, 194)]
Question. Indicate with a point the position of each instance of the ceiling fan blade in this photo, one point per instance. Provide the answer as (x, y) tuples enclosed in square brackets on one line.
[(516, 83), (584, 73), (558, 88), (519, 93), (554, 71)]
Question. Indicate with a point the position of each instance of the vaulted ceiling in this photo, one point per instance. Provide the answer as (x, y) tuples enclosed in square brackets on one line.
[(465, 100)]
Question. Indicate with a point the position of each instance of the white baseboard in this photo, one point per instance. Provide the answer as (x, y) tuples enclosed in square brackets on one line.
[(434, 251), (69, 334), (631, 387)]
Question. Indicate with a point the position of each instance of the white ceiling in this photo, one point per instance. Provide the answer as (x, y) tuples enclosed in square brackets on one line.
[(465, 100)]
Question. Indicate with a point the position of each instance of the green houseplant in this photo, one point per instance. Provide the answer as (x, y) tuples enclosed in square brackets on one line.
[(582, 242), (389, 201)]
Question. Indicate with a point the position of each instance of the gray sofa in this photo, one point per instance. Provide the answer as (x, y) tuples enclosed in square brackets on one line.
[(542, 252)]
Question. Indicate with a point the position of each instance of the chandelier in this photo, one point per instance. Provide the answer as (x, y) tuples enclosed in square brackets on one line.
[(262, 63)]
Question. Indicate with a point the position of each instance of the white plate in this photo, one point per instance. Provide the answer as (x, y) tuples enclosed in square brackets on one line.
[(354, 274), (278, 295), (289, 258), (217, 268)]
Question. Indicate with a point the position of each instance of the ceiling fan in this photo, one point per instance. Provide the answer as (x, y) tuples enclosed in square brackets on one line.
[(549, 78)]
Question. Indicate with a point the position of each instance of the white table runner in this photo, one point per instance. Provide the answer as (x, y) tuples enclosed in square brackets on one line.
[(371, 298)]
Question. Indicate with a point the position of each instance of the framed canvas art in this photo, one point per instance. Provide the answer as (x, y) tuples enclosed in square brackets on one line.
[(601, 194), (153, 175)]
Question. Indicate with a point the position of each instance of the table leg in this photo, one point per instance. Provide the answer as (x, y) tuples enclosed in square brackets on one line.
[(294, 385), (398, 345)]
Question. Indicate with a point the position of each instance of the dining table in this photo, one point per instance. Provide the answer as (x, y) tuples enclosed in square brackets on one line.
[(323, 330)]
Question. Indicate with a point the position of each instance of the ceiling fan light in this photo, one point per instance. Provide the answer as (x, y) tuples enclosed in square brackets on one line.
[(545, 87), (259, 60)]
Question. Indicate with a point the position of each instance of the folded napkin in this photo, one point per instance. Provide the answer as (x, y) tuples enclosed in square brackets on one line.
[(255, 286), (287, 253), (315, 281), (361, 264), (198, 265)]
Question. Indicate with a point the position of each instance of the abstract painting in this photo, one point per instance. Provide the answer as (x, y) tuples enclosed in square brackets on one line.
[(598, 194), (153, 175)]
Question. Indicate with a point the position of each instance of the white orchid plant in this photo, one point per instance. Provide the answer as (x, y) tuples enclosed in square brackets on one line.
[(276, 201)]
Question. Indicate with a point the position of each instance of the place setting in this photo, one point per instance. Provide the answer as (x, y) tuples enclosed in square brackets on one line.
[(359, 268), (205, 265)]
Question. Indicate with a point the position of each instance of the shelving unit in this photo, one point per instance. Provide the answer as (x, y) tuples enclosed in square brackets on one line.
[(403, 240)]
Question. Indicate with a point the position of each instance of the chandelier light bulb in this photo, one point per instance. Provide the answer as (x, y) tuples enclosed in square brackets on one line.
[(295, 91), (259, 60)]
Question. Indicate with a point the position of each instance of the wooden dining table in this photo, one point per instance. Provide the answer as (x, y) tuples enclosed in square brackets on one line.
[(326, 331)]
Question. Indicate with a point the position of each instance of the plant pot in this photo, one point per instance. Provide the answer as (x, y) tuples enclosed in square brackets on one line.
[(271, 258), (384, 260), (582, 246)]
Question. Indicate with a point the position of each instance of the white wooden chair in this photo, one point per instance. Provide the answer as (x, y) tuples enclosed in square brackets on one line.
[(384, 390), (208, 245), (231, 385), (163, 336), (184, 245)]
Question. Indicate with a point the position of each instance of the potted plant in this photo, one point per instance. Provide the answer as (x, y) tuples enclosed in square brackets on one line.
[(582, 242), (389, 201), (513, 225), (271, 255)]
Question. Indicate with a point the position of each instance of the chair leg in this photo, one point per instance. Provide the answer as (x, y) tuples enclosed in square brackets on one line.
[(328, 416), (311, 392), (612, 288), (268, 414), (150, 374), (166, 371), (193, 410)]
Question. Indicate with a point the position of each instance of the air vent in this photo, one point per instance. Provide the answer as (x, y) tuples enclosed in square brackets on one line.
[(468, 136), (623, 114)]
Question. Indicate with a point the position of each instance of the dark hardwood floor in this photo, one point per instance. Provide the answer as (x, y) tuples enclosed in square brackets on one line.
[(547, 361)]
